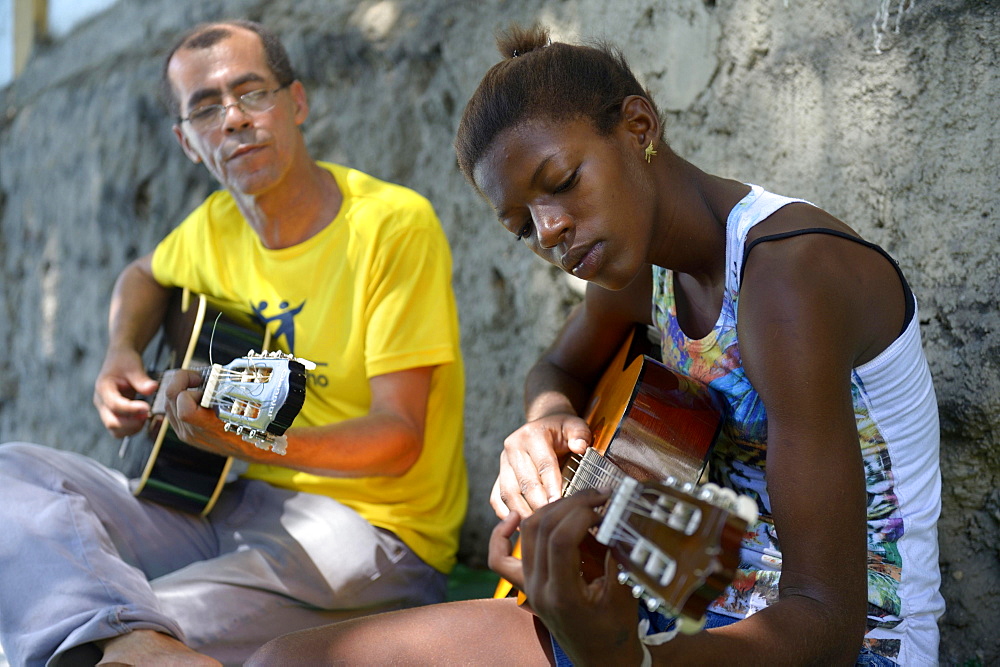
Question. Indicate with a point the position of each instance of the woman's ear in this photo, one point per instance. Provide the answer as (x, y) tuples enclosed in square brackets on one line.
[(640, 120)]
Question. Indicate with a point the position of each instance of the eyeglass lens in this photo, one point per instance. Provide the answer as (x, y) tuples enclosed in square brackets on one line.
[(255, 101)]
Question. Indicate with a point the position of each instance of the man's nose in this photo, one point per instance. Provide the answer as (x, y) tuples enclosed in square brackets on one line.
[(235, 118)]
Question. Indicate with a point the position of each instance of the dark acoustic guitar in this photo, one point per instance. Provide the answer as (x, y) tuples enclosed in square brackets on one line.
[(256, 395), (675, 542)]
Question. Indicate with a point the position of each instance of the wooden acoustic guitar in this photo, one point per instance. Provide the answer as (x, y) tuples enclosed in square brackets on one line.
[(676, 543), (256, 395)]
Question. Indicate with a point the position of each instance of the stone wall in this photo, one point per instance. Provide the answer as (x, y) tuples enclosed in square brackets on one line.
[(882, 113)]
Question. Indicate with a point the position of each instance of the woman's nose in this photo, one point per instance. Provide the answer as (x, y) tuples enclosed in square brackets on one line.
[(552, 228)]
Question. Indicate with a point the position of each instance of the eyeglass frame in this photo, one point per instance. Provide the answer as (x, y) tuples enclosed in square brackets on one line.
[(224, 108)]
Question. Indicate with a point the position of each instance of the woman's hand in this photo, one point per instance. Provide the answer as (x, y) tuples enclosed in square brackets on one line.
[(501, 557), (594, 620), (530, 474)]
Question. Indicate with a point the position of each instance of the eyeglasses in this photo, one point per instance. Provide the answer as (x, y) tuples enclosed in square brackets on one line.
[(211, 116)]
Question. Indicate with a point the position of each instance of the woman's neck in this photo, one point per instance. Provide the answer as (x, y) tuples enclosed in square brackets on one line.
[(691, 220)]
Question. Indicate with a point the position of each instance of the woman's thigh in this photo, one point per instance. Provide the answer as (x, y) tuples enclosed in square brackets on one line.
[(468, 632)]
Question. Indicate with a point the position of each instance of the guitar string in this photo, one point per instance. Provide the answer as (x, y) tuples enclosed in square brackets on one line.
[(627, 534), (226, 373), (211, 339), (624, 532), (595, 470), (211, 346), (256, 390)]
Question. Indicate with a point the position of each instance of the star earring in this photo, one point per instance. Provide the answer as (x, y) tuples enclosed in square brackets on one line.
[(649, 152)]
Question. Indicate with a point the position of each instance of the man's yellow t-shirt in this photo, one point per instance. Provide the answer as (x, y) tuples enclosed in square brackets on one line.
[(369, 295)]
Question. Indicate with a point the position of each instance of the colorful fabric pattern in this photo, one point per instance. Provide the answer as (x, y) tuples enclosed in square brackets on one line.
[(739, 457)]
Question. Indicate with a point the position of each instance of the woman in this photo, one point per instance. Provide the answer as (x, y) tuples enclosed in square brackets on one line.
[(808, 332)]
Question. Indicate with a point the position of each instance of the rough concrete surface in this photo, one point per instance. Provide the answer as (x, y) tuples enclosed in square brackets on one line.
[(884, 113)]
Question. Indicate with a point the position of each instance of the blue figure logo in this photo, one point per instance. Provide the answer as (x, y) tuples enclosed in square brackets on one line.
[(285, 319)]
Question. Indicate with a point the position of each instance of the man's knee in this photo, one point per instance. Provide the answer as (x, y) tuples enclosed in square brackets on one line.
[(18, 458)]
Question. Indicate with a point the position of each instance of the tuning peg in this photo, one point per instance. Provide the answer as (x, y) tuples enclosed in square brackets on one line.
[(708, 491), (637, 591), (746, 509), (690, 626), (280, 445), (653, 603), (726, 497)]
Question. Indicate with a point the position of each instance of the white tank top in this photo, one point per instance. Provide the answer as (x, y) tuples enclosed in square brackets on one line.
[(898, 434)]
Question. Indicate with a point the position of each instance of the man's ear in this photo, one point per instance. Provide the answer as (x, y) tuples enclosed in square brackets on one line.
[(640, 120), (300, 100), (185, 145)]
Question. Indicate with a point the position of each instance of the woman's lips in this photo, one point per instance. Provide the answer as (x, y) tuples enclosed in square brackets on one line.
[(589, 263)]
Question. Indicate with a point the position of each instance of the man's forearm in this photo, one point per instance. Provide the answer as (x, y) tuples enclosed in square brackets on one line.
[(138, 305), (372, 445)]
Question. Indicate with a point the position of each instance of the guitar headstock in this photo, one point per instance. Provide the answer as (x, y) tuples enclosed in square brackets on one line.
[(676, 545), (258, 396)]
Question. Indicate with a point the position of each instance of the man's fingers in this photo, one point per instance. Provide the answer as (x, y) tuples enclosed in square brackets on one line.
[(120, 414), (143, 384), (187, 404)]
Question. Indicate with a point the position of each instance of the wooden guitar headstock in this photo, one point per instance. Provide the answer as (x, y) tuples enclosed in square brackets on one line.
[(677, 545)]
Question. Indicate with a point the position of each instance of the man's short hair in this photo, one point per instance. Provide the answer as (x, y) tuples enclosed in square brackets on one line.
[(206, 35)]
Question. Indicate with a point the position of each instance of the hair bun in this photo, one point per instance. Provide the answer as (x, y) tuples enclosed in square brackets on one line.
[(516, 41)]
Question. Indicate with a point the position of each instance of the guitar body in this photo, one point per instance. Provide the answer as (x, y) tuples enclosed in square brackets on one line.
[(648, 421), (649, 424), (160, 467)]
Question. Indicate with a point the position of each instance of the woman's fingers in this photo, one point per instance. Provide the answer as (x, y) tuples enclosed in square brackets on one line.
[(530, 474), (501, 556)]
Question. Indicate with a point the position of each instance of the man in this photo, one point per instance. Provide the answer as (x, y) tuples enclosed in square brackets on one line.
[(362, 513)]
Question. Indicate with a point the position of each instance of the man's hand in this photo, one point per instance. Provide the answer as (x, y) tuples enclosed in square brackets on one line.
[(121, 379), (197, 426), (530, 475)]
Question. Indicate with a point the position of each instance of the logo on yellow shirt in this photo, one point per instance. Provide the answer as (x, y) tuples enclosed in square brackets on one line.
[(285, 319)]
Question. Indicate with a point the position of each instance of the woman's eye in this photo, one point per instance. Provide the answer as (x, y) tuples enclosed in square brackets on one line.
[(567, 184), (524, 231)]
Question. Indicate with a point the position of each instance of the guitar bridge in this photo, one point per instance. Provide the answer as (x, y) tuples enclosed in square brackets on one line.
[(211, 385), (617, 510), (673, 512)]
